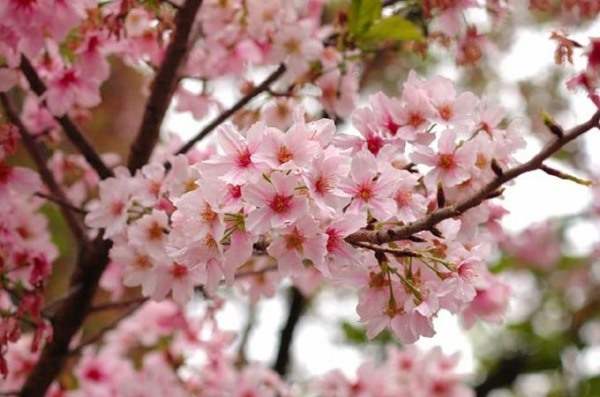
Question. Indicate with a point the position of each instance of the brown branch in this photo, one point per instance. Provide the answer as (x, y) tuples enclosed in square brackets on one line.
[(69, 317), (245, 335), (489, 190), (61, 203), (264, 86), (117, 305), (163, 86), (297, 306), (108, 327), (71, 130), (35, 152)]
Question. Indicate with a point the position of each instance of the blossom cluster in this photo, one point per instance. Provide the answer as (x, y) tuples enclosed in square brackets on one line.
[(69, 44), (405, 372), (288, 200), (199, 361), (589, 78), (26, 250)]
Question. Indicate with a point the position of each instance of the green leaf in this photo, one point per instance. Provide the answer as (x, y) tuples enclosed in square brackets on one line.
[(590, 387), (393, 28), (357, 335), (362, 14)]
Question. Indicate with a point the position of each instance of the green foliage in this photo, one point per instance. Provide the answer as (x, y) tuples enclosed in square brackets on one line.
[(367, 27), (393, 28), (590, 387), (362, 15), (543, 352), (357, 335)]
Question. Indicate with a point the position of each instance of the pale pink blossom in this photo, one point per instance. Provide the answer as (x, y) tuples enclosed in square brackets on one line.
[(277, 202), (300, 241)]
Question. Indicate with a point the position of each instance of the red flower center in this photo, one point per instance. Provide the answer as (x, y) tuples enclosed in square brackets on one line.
[(244, 159), (294, 240), (284, 155), (374, 143), (446, 161), (68, 78), (365, 193), (445, 112), (178, 271), (117, 208), (392, 126), (94, 374), (280, 203), (155, 231), (322, 185), (235, 191), (415, 120)]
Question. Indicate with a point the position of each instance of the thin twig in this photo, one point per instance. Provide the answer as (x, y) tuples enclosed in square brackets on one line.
[(109, 327), (404, 232), (233, 109), (47, 177), (245, 335), (163, 86), (61, 203), (117, 305), (71, 130)]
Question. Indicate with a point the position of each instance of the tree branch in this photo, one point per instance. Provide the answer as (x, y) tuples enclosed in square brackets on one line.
[(69, 317), (36, 154), (163, 86), (298, 304), (72, 132), (108, 327), (264, 86), (404, 232), (67, 205)]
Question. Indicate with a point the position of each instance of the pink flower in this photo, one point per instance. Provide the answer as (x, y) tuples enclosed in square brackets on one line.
[(150, 233), (452, 109), (371, 139), (302, 240), (199, 105), (295, 46), (290, 150), (414, 117), (238, 163), (451, 165), (197, 213), (489, 303), (279, 113), (18, 179), (179, 279), (138, 267), (8, 79), (410, 203), (91, 60), (369, 190), (323, 180), (68, 88), (109, 212), (339, 92), (459, 288), (277, 202)]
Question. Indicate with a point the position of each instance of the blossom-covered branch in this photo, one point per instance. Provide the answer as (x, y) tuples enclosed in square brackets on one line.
[(163, 86), (74, 224), (73, 133), (437, 216)]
